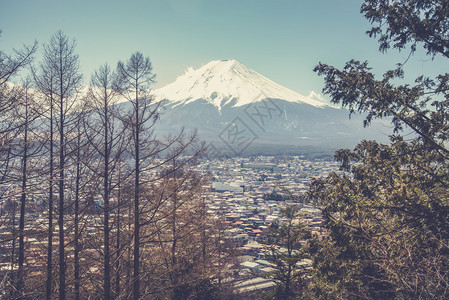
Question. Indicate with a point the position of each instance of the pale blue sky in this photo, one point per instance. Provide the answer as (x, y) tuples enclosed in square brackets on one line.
[(282, 39)]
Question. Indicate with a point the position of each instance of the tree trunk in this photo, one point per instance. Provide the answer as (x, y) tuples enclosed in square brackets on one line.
[(136, 279), (117, 268), (62, 267), (23, 198), (50, 211), (107, 271), (13, 248), (76, 221)]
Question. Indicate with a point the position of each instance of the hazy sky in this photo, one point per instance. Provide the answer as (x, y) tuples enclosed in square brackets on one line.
[(283, 39)]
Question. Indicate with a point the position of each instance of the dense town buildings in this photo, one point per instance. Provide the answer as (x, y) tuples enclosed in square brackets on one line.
[(245, 195), (248, 195)]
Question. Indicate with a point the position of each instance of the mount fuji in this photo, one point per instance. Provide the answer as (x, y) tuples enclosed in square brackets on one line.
[(227, 83), (238, 110)]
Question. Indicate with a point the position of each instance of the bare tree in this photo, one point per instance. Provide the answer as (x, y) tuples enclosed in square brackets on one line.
[(61, 60), (45, 81), (149, 152), (181, 229), (107, 137), (134, 79), (81, 159), (185, 250), (10, 66), (26, 112), (10, 129)]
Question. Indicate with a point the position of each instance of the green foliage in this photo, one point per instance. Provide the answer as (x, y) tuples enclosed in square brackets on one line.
[(387, 210), (288, 234), (388, 223), (399, 23)]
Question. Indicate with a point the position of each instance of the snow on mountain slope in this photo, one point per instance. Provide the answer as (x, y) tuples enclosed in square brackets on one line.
[(235, 108), (227, 82)]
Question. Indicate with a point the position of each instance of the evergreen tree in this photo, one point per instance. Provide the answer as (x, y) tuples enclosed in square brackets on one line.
[(287, 252), (387, 210)]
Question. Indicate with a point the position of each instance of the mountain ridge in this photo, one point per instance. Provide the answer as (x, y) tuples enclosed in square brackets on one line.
[(227, 82)]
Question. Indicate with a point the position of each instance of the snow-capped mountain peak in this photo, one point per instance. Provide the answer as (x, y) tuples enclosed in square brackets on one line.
[(227, 82)]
